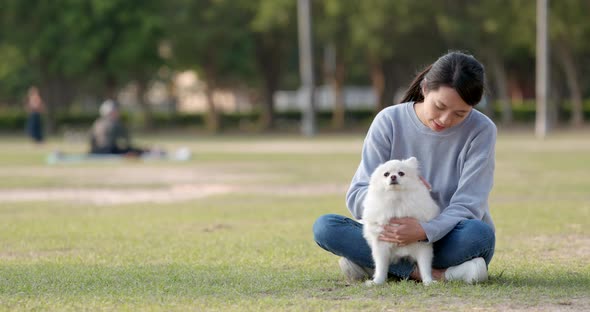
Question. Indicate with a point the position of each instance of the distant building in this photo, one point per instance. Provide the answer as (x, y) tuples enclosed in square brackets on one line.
[(185, 94), (355, 98), (190, 97)]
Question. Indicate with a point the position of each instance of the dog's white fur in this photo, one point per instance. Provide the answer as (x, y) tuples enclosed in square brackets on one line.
[(396, 191)]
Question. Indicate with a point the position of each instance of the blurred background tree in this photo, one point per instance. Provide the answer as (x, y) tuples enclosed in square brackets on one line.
[(274, 29), (570, 32), (214, 39), (71, 47), (495, 31), (81, 52)]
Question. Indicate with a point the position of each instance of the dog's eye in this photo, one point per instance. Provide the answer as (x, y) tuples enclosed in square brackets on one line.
[(386, 174), (401, 173)]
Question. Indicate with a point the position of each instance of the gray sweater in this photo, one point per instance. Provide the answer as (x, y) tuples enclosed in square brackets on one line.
[(458, 162)]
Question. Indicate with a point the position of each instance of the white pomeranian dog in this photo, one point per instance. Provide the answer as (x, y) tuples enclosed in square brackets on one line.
[(396, 191)]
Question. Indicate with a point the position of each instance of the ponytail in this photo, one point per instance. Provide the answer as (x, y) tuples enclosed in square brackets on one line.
[(456, 70), (414, 92)]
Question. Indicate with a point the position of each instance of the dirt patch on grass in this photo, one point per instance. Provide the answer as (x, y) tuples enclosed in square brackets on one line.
[(174, 193), (126, 176), (154, 184), (110, 196), (574, 304), (37, 254), (563, 247), (283, 147)]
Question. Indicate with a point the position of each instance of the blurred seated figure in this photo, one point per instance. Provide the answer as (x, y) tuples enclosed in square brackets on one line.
[(108, 134), (110, 141)]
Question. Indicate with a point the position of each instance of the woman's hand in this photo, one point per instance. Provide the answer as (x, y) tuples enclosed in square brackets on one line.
[(428, 186), (403, 231)]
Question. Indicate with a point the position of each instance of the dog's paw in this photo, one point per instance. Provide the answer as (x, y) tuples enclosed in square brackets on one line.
[(373, 283), (428, 283)]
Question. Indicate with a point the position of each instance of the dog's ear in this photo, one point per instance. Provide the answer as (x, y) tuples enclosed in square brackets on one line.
[(412, 162)]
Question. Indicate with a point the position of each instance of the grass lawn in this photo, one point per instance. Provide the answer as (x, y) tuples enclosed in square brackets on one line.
[(231, 229)]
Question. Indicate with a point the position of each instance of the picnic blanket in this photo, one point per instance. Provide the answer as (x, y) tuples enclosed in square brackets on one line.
[(58, 157)]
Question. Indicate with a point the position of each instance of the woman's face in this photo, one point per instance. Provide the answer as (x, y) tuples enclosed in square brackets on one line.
[(443, 109)]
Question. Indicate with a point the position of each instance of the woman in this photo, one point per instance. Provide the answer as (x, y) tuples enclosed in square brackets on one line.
[(454, 143), (34, 107)]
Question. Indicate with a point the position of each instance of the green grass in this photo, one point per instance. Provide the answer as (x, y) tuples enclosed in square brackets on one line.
[(252, 249)]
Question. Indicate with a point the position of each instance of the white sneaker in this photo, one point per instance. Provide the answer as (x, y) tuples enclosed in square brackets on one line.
[(472, 271), (353, 271)]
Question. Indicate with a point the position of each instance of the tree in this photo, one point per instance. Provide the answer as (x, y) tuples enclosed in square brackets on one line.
[(334, 28), (131, 32), (69, 44), (52, 36), (493, 30), (569, 31), (212, 37), (273, 29), (14, 74), (391, 31)]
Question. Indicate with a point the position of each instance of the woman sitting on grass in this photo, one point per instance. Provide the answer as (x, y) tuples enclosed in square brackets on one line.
[(455, 144)]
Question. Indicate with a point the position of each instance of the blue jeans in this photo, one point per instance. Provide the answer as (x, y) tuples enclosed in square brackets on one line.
[(343, 237)]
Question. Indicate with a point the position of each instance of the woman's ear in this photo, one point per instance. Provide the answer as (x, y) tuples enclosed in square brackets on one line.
[(423, 87)]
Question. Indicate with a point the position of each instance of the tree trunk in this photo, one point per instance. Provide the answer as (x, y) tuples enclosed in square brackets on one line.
[(268, 47), (501, 82), (172, 101), (571, 75), (388, 84), (110, 87), (334, 73), (47, 94), (212, 120), (267, 116), (57, 94), (147, 118), (266, 120), (378, 82), (337, 82)]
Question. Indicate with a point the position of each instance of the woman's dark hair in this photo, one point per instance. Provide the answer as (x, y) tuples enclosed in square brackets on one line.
[(456, 70)]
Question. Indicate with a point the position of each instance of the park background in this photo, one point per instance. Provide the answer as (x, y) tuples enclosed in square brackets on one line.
[(230, 229), (223, 65)]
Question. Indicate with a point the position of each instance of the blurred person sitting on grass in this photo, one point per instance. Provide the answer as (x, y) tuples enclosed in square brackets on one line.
[(109, 135)]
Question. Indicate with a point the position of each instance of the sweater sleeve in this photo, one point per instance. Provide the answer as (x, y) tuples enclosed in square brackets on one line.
[(376, 150), (470, 200)]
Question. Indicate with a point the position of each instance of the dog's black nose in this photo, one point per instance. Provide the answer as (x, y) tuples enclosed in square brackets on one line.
[(393, 180)]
